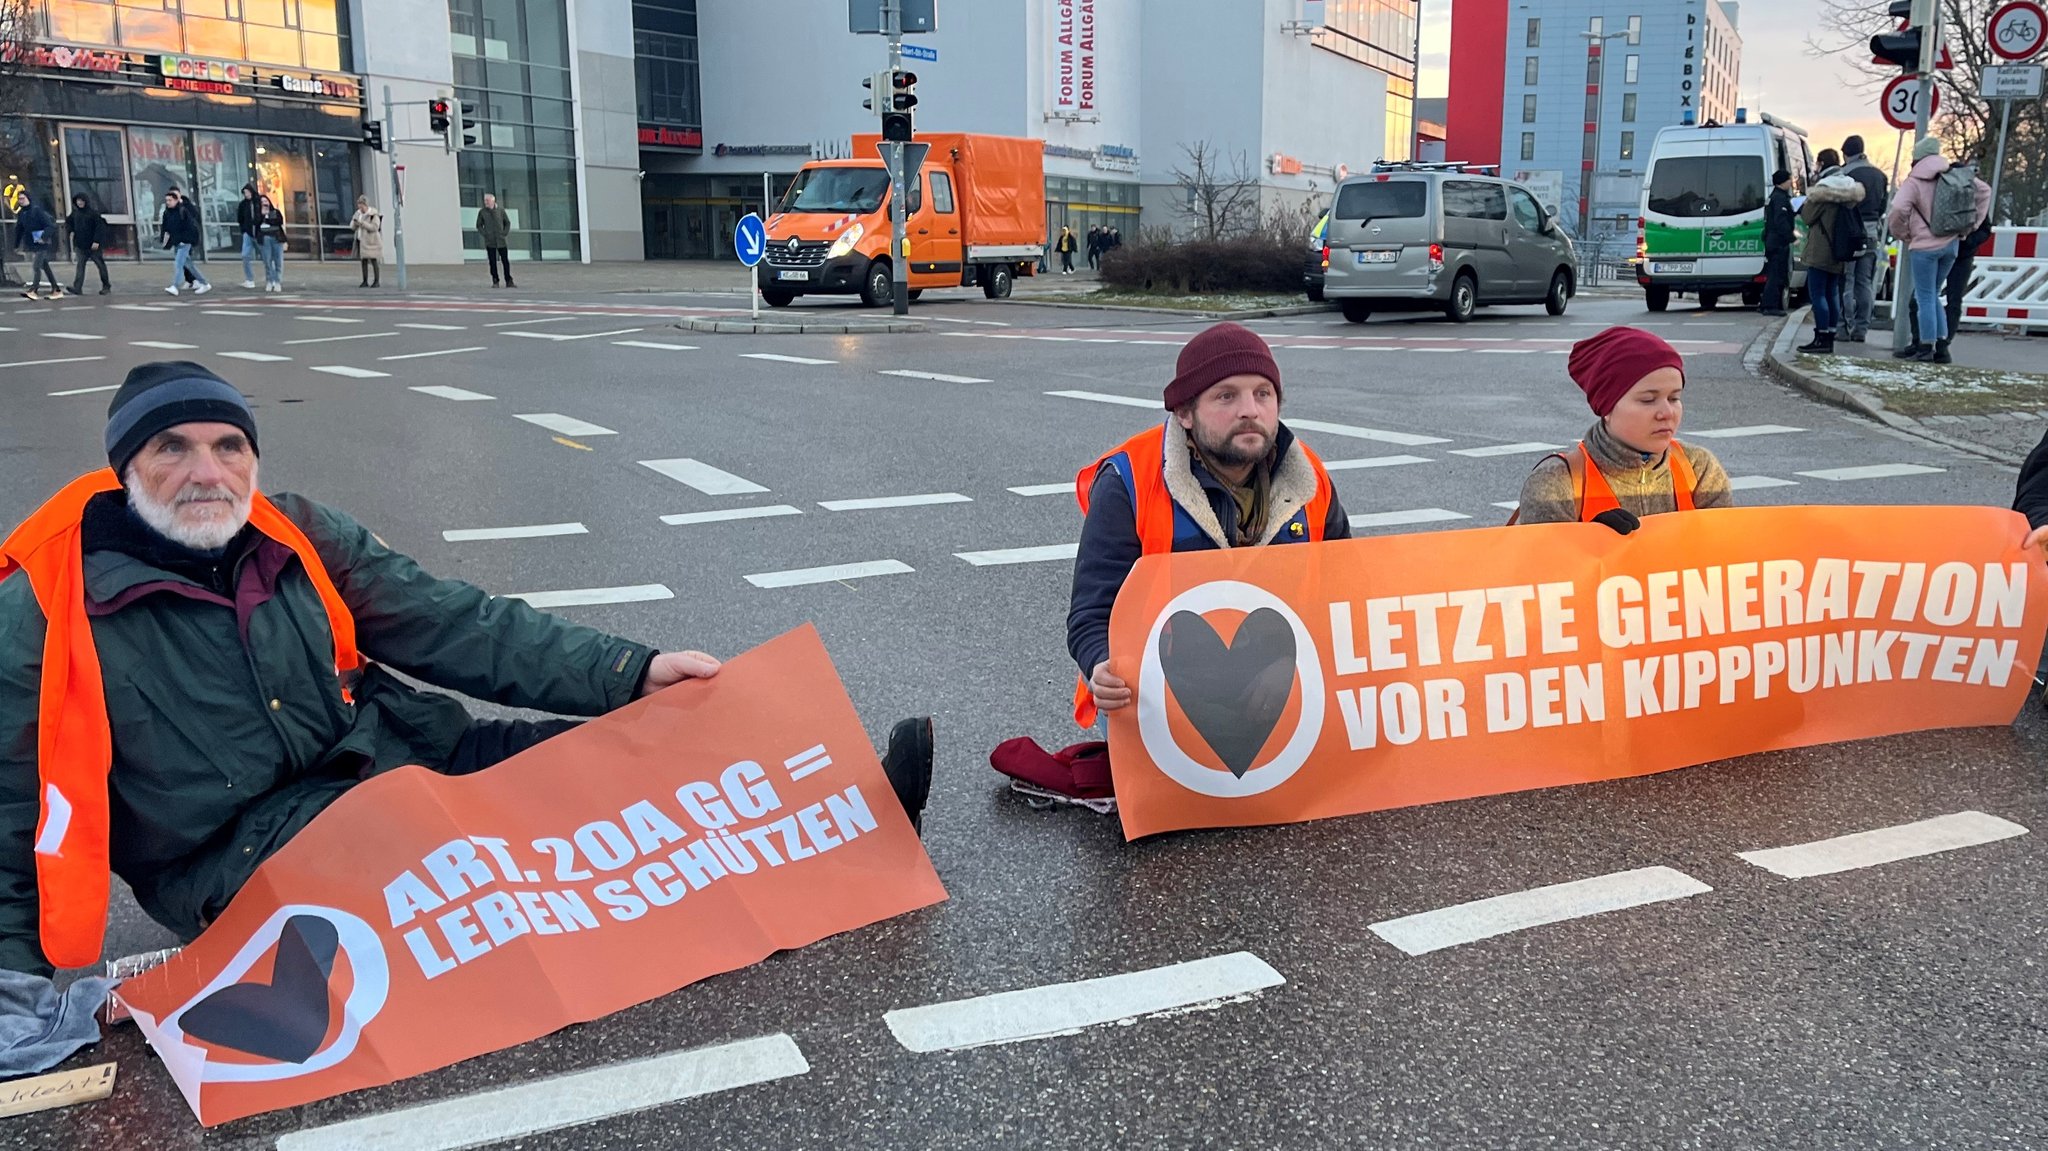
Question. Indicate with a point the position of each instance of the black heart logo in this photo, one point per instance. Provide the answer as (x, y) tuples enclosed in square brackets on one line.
[(286, 1018), (1232, 692)]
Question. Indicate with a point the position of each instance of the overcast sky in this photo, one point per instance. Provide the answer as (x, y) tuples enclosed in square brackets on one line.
[(1825, 96)]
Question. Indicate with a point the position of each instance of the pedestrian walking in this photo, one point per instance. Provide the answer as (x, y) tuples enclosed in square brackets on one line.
[(1065, 247), (1937, 205), (368, 226), (1630, 464), (270, 233), (248, 219), (35, 232), (191, 210), (1778, 235), (179, 229), (1859, 290), (88, 243), (494, 228), (1116, 239), (1834, 234), (1096, 236)]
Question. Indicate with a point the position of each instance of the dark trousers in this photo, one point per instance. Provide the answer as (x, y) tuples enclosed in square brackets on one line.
[(39, 264), (498, 257), (1777, 274), (373, 276), (95, 258), (1066, 261), (1953, 288), (489, 742)]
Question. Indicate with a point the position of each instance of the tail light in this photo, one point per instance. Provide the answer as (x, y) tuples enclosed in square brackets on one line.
[(1326, 255), (1642, 239), (1436, 257)]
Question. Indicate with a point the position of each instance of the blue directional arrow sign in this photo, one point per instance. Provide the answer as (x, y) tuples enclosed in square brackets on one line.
[(750, 239)]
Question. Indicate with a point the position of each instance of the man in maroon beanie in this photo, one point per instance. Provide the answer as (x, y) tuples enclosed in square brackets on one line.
[(1221, 471)]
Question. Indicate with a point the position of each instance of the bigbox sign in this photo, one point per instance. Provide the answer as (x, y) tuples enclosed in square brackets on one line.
[(1294, 683), (423, 919)]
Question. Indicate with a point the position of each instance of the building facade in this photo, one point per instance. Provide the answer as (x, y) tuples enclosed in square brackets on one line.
[(1567, 95)]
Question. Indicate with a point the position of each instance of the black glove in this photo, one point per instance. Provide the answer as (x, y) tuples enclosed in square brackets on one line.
[(1622, 520)]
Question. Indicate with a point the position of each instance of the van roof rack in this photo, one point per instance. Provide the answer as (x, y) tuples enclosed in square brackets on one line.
[(1435, 166)]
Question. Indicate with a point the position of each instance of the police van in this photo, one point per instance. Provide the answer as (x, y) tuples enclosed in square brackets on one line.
[(1702, 221)]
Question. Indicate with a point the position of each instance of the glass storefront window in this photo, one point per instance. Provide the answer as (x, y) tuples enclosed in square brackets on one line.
[(272, 45), (323, 52), (220, 39), (222, 160), (318, 16), (158, 30), (81, 21), (284, 172), (92, 163), (159, 159), (337, 179)]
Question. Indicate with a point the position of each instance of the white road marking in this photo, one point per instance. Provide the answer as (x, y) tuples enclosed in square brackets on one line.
[(538, 1106), (638, 593), (1884, 845), (655, 344), (447, 393), (1504, 351), (874, 502), (88, 391), (325, 319), (1872, 472), (1374, 462), (543, 320), (164, 344), (784, 359), (226, 312), (800, 576), (1050, 489), (1404, 439), (1371, 348), (1485, 918), (530, 532), (1751, 483), (1506, 450), (336, 339), (1738, 433), (1101, 398), (941, 377), (1413, 516), (424, 355), (724, 515), (559, 337), (565, 425), (71, 336), (703, 477), (1064, 1008), (435, 327), (255, 357), (40, 363), (1510, 505), (352, 373), (1019, 555), (139, 307)]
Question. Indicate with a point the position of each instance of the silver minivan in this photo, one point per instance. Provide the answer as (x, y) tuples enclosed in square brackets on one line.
[(1426, 237)]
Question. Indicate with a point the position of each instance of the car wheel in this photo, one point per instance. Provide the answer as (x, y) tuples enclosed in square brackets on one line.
[(1315, 293), (1560, 293), (1708, 301), (1657, 299), (1752, 297), (879, 291), (1464, 298), (1356, 311), (996, 282), (778, 297)]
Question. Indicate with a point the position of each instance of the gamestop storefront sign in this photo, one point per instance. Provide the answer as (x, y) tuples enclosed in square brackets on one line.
[(1072, 56)]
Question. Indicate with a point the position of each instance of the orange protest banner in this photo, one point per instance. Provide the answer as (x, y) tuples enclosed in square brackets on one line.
[(424, 919), (1282, 684)]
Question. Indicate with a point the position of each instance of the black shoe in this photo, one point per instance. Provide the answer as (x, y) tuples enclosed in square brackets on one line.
[(106, 289), (1823, 345), (908, 764), (1854, 338), (1770, 311), (1941, 354), (496, 284), (510, 284), (1912, 352)]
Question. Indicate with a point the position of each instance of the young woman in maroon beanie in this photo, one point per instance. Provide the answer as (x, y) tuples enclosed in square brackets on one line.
[(1630, 464)]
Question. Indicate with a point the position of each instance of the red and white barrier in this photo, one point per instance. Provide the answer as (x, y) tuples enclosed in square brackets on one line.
[(2010, 283)]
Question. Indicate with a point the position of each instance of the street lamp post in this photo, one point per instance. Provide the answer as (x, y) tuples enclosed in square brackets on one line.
[(1589, 171)]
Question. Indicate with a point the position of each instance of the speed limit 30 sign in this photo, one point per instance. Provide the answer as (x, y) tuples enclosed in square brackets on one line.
[(1901, 102), (2018, 30)]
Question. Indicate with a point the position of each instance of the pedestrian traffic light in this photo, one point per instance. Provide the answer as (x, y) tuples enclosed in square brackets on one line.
[(373, 134), (897, 115), (1901, 48), (877, 86), (464, 138), (437, 117)]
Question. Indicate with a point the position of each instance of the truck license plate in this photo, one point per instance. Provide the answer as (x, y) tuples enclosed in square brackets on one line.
[(1378, 257), (797, 275), (1671, 268)]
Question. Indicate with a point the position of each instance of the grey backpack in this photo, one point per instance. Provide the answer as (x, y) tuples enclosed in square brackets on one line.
[(1955, 202)]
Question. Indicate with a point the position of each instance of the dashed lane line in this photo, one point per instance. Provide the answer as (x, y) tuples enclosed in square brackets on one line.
[(424, 355), (1050, 489), (338, 339), (560, 338), (87, 391), (1752, 483), (1884, 845), (529, 532), (538, 1106), (231, 312), (348, 372), (797, 577), (582, 597), (784, 359), (875, 502), (255, 357), (1366, 520), (1104, 398), (726, 515), (435, 327), (42, 363), (655, 344), (139, 307), (544, 319), (71, 336), (563, 425), (325, 319), (1002, 556), (1480, 919), (940, 377), (702, 476), (443, 391), (1401, 439), (1374, 462), (1064, 1008), (1871, 472), (1506, 450), (165, 345), (1741, 432)]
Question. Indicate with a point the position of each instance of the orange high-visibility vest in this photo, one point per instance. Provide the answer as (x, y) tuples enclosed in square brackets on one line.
[(74, 742), (1596, 495), (1141, 462)]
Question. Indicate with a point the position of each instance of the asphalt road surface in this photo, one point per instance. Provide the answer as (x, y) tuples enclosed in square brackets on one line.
[(1723, 1006)]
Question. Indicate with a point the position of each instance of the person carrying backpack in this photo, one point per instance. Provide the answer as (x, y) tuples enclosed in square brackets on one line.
[(1937, 205), (1834, 238)]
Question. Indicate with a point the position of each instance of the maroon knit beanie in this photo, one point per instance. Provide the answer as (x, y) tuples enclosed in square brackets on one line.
[(1610, 365), (1217, 354)]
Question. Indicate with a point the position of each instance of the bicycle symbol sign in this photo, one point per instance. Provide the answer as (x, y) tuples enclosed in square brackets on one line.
[(2018, 30)]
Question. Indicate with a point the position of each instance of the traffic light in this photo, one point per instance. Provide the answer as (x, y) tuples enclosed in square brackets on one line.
[(464, 138), (437, 117), (373, 134), (897, 123), (877, 85), (1903, 47)]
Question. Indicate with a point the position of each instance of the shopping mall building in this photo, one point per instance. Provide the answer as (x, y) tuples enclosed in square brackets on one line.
[(629, 129)]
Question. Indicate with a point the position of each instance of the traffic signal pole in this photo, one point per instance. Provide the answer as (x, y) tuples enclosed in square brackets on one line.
[(1927, 16), (899, 262), (397, 193)]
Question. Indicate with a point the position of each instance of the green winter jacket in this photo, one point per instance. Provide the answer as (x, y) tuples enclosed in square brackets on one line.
[(493, 226), (231, 736)]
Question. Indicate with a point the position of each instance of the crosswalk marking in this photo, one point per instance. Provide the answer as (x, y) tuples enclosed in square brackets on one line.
[(941, 377), (445, 392), (1871, 472), (1062, 1008), (1049, 489), (338, 339), (528, 322), (434, 327), (1480, 919), (40, 363), (1738, 433), (226, 312), (1505, 450), (1374, 462), (166, 345), (1884, 845), (580, 597), (319, 319), (702, 476), (139, 307), (71, 336), (1751, 483), (87, 391), (351, 373), (1403, 439), (725, 515), (1399, 519), (424, 355), (529, 532), (872, 503), (1020, 555), (559, 337), (784, 359), (564, 425), (255, 357), (1102, 398), (800, 576), (655, 344)]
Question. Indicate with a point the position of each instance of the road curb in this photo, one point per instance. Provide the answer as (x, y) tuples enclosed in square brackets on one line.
[(1183, 313), (866, 327), (1783, 362)]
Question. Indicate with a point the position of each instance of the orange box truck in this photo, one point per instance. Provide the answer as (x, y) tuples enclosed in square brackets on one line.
[(976, 218)]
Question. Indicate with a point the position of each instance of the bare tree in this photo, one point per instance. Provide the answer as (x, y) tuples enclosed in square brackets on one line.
[(1220, 197)]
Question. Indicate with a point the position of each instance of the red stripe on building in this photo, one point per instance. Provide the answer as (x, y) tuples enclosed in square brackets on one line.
[(1478, 82)]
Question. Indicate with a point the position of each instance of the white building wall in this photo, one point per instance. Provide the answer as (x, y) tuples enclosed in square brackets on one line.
[(1330, 112), (607, 136), (405, 44)]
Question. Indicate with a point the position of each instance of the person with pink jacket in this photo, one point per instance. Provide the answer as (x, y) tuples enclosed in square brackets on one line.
[(1929, 235)]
